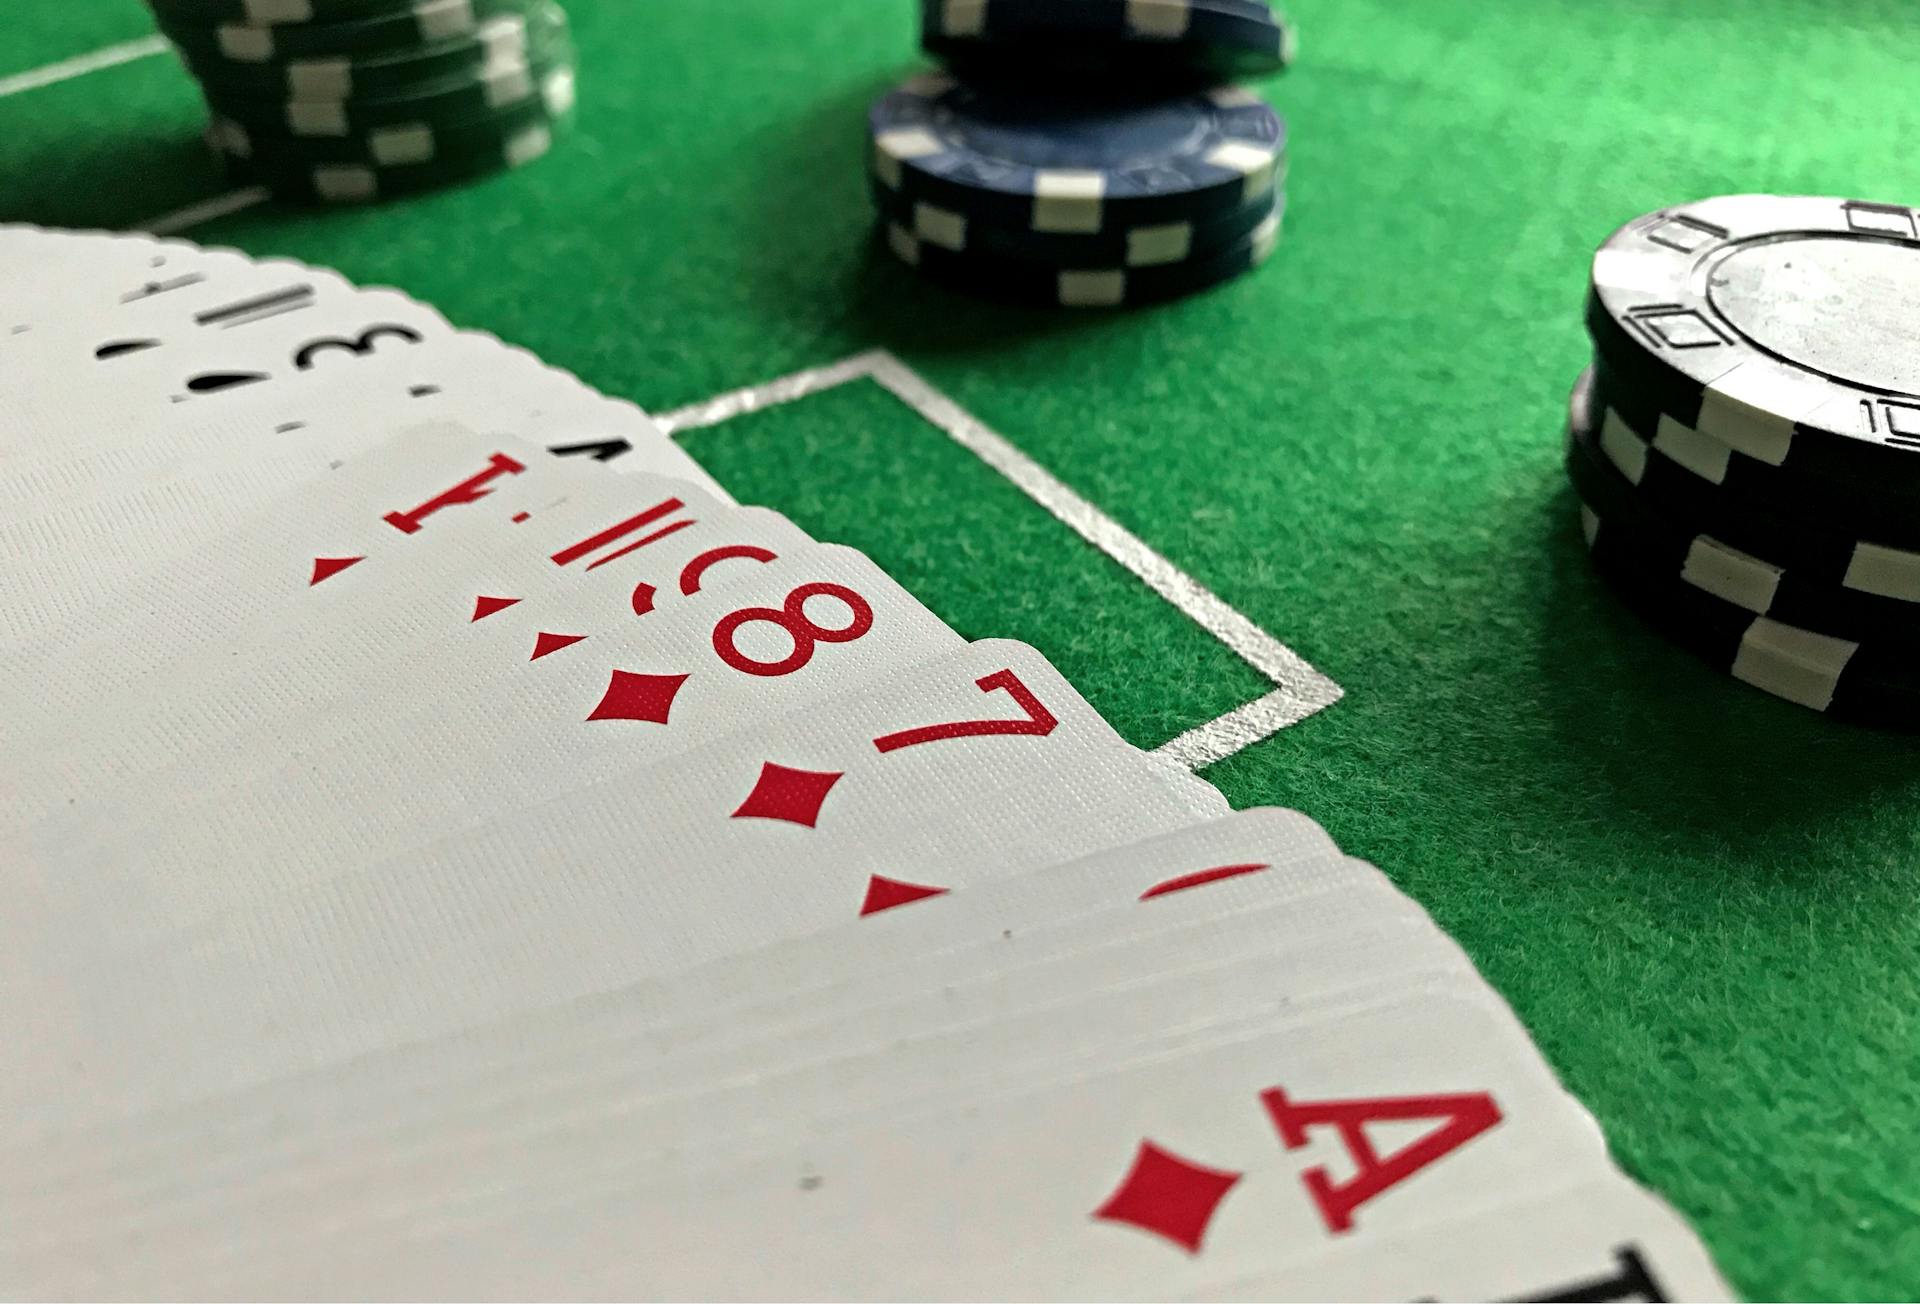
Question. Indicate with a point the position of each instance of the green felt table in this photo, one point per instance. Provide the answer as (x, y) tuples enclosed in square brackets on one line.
[(1704, 903)]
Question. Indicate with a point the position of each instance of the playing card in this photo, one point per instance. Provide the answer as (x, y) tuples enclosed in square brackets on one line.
[(394, 502), (1070, 1011), (1266, 884), (1204, 1163), (618, 550), (1339, 951), (613, 560), (1045, 1017), (118, 311), (984, 760), (1270, 874), (187, 505), (1088, 1186), (79, 557), (110, 284), (312, 418), (89, 382), (56, 276), (1211, 876), (135, 367), (813, 624)]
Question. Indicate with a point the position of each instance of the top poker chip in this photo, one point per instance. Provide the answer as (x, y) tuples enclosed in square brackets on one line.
[(1167, 39), (1786, 328), (403, 28), (275, 13), (1074, 164)]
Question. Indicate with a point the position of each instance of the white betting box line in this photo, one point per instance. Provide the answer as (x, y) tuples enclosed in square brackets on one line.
[(183, 219), (112, 56), (80, 65), (1299, 689)]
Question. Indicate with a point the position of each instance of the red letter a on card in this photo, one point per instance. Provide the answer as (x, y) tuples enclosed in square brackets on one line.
[(1460, 1118)]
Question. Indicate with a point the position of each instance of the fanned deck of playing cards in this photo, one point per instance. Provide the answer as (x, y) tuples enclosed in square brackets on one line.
[(452, 850)]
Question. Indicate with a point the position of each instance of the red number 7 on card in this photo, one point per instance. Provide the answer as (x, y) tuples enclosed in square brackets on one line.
[(1039, 722)]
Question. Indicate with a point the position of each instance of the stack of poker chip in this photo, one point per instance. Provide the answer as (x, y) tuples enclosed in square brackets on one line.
[(1746, 445), (1135, 175), (355, 100)]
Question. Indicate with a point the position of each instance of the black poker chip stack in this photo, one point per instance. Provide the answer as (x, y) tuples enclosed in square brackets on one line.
[(1746, 445), (1084, 153), (355, 100)]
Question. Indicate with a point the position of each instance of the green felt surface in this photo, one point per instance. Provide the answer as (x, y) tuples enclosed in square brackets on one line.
[(1705, 904)]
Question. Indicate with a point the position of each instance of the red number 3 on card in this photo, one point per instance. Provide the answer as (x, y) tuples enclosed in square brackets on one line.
[(791, 617)]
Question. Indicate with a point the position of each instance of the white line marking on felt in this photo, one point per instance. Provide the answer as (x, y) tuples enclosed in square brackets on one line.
[(739, 402), (1299, 689), (1246, 725), (182, 219), (80, 65)]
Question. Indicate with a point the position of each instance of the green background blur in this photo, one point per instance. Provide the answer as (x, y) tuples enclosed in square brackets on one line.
[(1702, 902)]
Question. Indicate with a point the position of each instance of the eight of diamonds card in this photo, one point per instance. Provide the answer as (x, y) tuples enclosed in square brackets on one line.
[(452, 849)]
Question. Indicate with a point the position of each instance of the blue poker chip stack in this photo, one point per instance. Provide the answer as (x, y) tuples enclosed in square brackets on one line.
[(1107, 42), (1084, 153), (356, 100)]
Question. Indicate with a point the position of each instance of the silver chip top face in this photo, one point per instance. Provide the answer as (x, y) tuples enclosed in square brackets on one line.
[(1784, 320)]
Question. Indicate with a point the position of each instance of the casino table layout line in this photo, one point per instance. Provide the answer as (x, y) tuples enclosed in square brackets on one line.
[(176, 220), (1299, 690), (109, 56), (204, 211)]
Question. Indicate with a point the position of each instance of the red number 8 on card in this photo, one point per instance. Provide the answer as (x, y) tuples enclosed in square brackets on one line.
[(791, 617)]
